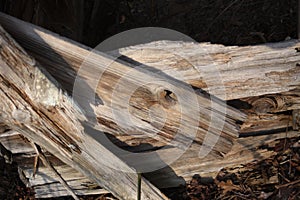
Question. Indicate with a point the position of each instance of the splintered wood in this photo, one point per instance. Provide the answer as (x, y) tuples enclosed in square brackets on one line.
[(56, 124), (65, 62), (245, 71), (227, 100), (44, 182)]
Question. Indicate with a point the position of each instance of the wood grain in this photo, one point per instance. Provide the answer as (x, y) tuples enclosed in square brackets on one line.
[(63, 59), (33, 102), (228, 72)]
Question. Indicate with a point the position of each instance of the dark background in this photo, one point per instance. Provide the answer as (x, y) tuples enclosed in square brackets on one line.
[(230, 22)]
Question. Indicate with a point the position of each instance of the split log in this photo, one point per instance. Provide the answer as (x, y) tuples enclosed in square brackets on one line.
[(244, 71), (250, 79), (45, 184), (245, 150), (270, 113), (63, 58), (59, 54), (265, 77), (275, 103), (33, 102), (256, 68)]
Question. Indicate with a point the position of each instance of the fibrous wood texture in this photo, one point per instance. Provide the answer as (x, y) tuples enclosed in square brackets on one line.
[(67, 57), (244, 150), (33, 103), (44, 182), (244, 71), (261, 85)]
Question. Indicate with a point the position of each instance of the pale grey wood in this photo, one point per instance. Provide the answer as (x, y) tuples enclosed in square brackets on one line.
[(33, 103), (13, 142), (244, 150), (45, 183), (63, 58), (154, 55), (241, 71), (56, 190)]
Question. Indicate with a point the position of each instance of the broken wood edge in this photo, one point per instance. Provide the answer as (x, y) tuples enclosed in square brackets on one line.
[(244, 150), (45, 183), (32, 37), (38, 106)]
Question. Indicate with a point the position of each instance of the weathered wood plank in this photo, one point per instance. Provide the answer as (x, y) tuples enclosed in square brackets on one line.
[(33, 102), (63, 58), (152, 54), (45, 183), (13, 142), (56, 190), (244, 71), (266, 123), (244, 150)]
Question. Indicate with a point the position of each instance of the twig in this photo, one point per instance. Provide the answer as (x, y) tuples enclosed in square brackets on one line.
[(286, 133), (230, 5), (290, 165), (47, 163), (287, 180), (287, 184)]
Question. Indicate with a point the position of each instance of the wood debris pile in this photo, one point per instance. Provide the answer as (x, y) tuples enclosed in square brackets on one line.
[(256, 105)]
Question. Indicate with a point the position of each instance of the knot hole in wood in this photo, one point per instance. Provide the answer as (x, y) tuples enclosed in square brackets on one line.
[(167, 98)]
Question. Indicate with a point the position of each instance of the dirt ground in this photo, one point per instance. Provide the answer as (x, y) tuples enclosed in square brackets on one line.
[(229, 22)]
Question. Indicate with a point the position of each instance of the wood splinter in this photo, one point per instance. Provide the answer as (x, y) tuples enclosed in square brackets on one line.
[(46, 162)]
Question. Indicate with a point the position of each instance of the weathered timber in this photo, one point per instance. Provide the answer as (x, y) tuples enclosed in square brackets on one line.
[(280, 94), (249, 69), (275, 103), (33, 103), (245, 150), (241, 71), (63, 58), (267, 77), (271, 113), (45, 183), (266, 123)]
